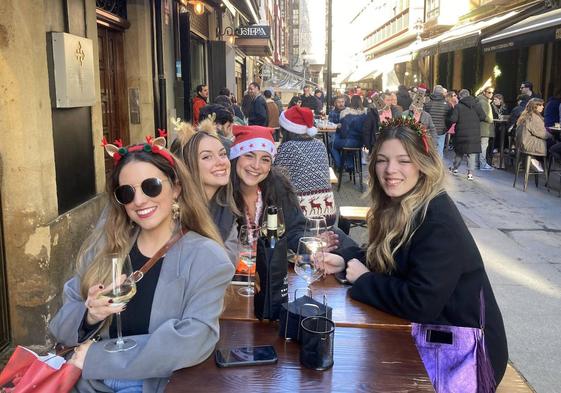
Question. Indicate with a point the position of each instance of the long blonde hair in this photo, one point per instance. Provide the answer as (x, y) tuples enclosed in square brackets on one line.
[(119, 232), (530, 110), (392, 222)]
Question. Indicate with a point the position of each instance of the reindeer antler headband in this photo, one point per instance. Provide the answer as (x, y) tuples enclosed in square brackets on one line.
[(156, 146), (409, 122)]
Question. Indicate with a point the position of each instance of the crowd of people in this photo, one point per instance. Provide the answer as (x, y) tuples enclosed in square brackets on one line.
[(231, 162)]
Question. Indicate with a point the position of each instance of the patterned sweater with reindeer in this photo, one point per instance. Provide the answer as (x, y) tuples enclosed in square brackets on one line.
[(306, 165)]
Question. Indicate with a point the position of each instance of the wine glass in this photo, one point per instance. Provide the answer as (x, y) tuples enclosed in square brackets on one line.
[(120, 286), (247, 242), (316, 226), (280, 221), (309, 259)]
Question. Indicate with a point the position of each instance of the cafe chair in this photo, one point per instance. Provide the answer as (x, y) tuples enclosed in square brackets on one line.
[(357, 167), (520, 157), (553, 159)]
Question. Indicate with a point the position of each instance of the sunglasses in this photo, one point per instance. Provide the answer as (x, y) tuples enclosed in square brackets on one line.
[(151, 187)]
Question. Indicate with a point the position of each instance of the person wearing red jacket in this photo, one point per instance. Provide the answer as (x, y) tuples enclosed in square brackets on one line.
[(199, 101)]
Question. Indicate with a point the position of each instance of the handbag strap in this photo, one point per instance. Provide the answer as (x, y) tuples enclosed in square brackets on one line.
[(481, 309), (138, 274)]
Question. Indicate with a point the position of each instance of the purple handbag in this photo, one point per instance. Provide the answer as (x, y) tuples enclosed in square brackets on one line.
[(455, 357)]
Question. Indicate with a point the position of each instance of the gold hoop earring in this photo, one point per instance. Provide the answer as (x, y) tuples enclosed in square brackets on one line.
[(175, 210)]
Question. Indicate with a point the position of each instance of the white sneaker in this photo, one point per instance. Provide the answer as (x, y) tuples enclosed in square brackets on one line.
[(536, 164), (486, 167), (470, 176)]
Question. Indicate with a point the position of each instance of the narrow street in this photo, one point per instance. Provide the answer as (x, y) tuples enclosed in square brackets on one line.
[(518, 234)]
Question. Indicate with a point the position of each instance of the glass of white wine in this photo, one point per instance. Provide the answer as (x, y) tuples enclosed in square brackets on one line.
[(316, 226), (280, 221), (120, 287), (309, 259), (247, 243)]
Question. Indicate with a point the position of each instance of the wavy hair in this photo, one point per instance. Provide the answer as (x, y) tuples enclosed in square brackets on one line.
[(530, 110), (118, 232), (392, 222)]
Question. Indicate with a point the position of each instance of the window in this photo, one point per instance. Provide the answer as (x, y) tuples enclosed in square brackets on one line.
[(295, 16)]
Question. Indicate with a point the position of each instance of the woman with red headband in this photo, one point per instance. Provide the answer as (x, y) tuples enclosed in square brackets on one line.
[(421, 262), (153, 204)]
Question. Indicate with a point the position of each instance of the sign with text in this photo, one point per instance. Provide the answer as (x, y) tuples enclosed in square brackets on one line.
[(253, 32)]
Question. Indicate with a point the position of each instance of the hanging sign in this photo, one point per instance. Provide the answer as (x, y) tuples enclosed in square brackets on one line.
[(253, 32)]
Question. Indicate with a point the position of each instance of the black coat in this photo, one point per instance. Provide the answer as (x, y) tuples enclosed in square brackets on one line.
[(258, 112), (437, 280), (439, 110), (372, 124), (467, 115), (311, 102)]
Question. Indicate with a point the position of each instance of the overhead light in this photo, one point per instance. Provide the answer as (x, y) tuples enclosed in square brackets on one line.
[(199, 7)]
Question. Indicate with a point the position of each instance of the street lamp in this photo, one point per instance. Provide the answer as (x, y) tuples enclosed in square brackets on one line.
[(304, 65), (228, 32)]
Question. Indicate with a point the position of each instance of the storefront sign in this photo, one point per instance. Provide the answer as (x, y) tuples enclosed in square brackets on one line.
[(253, 32)]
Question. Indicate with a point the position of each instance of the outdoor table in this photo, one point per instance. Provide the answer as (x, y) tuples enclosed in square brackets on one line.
[(501, 123), (346, 311), (365, 360), (324, 134), (556, 132)]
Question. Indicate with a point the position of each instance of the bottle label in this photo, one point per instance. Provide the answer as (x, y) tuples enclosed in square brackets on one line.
[(272, 222)]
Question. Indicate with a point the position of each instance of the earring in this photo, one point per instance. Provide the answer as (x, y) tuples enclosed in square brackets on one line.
[(175, 210)]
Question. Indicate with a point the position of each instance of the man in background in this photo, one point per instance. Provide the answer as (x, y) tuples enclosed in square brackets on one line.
[(199, 101), (257, 114)]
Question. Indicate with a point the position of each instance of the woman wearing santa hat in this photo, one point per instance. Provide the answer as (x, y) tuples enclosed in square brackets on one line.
[(258, 184)]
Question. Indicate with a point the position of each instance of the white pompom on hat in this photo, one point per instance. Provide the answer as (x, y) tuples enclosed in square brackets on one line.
[(252, 138), (299, 120)]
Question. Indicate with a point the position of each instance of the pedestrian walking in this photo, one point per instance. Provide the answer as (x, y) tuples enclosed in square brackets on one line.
[(439, 110), (487, 127), (467, 138)]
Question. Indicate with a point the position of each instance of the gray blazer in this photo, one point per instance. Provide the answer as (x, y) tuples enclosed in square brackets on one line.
[(183, 327)]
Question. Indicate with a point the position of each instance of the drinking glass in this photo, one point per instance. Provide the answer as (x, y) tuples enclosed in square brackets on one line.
[(309, 259), (121, 287), (247, 242), (316, 226), (280, 222)]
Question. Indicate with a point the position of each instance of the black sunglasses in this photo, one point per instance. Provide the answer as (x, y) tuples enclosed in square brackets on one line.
[(151, 187)]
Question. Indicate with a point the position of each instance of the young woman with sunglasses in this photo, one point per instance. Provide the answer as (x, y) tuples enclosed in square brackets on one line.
[(174, 314), (206, 158), (421, 262)]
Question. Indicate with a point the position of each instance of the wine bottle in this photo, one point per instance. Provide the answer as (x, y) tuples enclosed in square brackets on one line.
[(272, 227)]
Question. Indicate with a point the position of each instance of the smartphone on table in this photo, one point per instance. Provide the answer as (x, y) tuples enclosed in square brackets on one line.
[(341, 277), (246, 356)]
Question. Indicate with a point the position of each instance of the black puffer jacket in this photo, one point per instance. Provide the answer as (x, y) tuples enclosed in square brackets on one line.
[(438, 109), (467, 115)]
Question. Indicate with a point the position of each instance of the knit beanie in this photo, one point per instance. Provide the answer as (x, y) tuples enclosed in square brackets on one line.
[(252, 138), (298, 120)]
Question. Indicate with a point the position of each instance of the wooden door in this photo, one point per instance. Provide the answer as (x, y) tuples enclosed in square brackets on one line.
[(113, 87)]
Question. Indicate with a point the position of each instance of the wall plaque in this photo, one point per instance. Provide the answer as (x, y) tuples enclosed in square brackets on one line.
[(73, 70)]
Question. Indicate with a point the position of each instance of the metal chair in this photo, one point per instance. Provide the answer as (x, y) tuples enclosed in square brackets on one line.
[(527, 171)]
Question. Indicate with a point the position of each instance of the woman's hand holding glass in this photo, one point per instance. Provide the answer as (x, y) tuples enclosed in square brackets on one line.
[(100, 307), (316, 227)]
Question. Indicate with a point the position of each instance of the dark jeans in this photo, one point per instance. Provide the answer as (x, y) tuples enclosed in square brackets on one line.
[(336, 151)]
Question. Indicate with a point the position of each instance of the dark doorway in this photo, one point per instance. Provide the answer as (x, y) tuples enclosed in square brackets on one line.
[(113, 87)]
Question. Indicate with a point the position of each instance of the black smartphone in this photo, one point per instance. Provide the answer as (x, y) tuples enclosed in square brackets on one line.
[(246, 356), (439, 336), (341, 277)]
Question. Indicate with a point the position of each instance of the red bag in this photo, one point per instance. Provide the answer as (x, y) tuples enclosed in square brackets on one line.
[(25, 373)]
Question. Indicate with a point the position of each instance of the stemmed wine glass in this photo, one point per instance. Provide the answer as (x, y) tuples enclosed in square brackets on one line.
[(247, 243), (316, 226), (280, 221), (121, 287), (309, 259)]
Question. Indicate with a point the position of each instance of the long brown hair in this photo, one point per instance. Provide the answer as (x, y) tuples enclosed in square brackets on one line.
[(392, 222), (531, 109), (119, 232), (189, 152)]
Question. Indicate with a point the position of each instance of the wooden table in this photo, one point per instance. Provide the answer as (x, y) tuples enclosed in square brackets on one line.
[(332, 177), (346, 311), (556, 132), (365, 360)]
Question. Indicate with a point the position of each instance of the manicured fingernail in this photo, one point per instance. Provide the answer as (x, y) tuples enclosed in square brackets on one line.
[(101, 287), (110, 300)]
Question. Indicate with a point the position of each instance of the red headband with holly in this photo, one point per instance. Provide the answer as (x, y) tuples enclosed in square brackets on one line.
[(409, 122), (156, 146)]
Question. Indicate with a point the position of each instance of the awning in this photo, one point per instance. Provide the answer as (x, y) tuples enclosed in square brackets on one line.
[(281, 79), (374, 68), (255, 46), (536, 29), (468, 35), (247, 9)]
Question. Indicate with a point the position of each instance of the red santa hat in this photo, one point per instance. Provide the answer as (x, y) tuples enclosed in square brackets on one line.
[(252, 138), (299, 120)]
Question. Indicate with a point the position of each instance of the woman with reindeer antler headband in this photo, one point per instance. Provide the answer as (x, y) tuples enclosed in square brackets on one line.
[(421, 262), (156, 214)]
